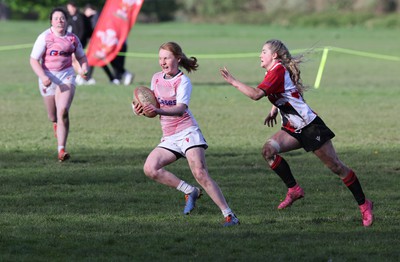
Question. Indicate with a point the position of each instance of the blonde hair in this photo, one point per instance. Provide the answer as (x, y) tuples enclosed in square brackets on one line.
[(289, 62), (190, 64)]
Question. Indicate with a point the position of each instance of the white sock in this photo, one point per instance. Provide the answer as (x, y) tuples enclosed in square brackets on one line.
[(60, 147), (227, 212), (185, 187)]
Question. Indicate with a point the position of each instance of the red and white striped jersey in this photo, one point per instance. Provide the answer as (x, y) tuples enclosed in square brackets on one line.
[(282, 93), (170, 92)]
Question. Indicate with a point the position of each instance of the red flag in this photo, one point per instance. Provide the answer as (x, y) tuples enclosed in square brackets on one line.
[(112, 29)]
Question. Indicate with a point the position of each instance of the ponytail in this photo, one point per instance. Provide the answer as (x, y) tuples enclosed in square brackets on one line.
[(190, 64)]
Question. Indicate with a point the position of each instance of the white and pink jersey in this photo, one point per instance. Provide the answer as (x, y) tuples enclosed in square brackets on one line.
[(170, 92), (282, 93), (55, 51)]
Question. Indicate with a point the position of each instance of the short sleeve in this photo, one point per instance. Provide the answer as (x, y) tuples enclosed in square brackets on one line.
[(79, 52), (39, 47), (184, 91), (274, 81)]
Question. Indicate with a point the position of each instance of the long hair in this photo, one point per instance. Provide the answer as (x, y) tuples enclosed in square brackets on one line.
[(190, 64), (289, 62)]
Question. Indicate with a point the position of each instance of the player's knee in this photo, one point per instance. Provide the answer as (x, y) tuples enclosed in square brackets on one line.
[(150, 171), (266, 152), (200, 174), (63, 113), (270, 149)]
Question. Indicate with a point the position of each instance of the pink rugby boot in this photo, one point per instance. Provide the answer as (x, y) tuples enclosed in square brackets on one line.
[(292, 195)]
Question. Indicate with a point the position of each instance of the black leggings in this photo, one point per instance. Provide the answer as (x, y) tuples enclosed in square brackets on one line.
[(118, 63)]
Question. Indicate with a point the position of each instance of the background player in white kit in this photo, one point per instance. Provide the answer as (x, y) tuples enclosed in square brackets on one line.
[(182, 136), (51, 60)]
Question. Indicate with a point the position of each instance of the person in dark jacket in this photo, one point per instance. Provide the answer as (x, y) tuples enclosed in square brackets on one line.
[(79, 24)]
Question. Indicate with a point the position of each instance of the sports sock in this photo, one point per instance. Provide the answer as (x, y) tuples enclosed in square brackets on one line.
[(185, 187), (226, 212), (55, 129), (282, 169), (60, 147), (352, 183)]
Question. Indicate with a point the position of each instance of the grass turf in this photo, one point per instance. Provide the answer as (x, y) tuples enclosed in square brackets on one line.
[(100, 207)]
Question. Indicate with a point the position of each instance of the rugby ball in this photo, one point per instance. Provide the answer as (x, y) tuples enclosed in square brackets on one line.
[(144, 96)]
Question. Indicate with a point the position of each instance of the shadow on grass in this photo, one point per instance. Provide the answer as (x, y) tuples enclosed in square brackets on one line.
[(223, 163), (100, 206)]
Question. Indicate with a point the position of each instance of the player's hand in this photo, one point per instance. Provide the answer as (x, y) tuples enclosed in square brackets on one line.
[(150, 109), (227, 75), (270, 120), (84, 74), (137, 109), (46, 81)]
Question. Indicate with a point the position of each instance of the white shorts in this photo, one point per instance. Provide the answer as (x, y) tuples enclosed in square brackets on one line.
[(63, 77), (180, 142)]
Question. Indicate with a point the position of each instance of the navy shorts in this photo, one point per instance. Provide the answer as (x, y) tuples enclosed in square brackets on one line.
[(312, 136)]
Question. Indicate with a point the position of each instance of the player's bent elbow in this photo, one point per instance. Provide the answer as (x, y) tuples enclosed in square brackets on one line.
[(257, 94), (255, 97)]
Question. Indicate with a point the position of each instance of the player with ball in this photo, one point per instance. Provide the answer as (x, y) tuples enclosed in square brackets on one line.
[(182, 136)]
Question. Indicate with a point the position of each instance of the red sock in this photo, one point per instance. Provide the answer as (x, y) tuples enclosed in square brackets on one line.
[(282, 169), (353, 184)]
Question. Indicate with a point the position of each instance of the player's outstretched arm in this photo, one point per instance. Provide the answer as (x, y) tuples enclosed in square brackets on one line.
[(252, 93)]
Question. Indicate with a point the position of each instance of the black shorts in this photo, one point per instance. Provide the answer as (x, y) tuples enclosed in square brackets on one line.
[(313, 136)]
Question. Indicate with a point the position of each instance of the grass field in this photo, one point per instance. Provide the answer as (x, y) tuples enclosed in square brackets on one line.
[(100, 207)]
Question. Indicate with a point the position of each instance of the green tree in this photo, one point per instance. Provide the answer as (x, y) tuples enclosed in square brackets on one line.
[(39, 9), (160, 10)]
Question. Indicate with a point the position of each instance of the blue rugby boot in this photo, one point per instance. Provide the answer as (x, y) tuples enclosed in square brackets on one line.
[(231, 220), (191, 200)]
